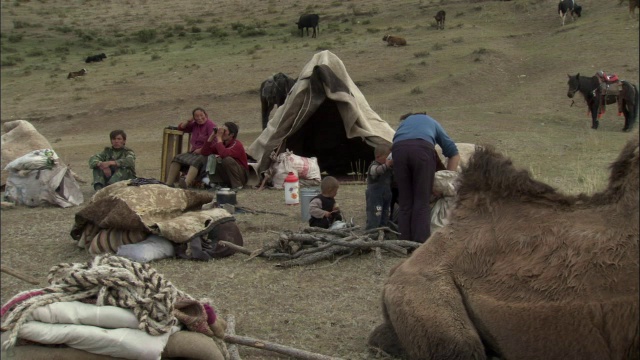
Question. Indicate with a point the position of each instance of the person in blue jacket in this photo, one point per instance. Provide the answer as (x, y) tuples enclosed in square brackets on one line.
[(414, 166)]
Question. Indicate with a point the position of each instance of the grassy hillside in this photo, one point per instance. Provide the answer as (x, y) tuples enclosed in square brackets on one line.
[(495, 75)]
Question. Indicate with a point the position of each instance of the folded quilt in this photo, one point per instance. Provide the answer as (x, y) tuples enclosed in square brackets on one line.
[(79, 313), (123, 342)]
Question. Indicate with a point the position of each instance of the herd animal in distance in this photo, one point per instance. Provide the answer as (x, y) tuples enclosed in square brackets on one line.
[(309, 21)]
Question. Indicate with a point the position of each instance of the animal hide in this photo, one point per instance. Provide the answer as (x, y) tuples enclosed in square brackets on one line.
[(119, 212), (522, 271)]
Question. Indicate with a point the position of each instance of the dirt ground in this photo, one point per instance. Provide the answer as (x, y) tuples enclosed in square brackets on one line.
[(495, 75)]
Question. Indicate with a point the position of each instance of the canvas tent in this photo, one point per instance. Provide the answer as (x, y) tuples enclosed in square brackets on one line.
[(325, 116)]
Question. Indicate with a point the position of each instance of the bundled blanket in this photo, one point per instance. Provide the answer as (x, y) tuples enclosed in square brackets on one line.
[(135, 313), (120, 214)]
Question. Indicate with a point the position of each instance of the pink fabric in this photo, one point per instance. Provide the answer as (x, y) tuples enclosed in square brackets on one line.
[(19, 299), (211, 315)]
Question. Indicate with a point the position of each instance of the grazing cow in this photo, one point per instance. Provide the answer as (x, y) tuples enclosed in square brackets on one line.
[(633, 4), (440, 19), (569, 7), (521, 271), (95, 58), (75, 74), (308, 21), (394, 40)]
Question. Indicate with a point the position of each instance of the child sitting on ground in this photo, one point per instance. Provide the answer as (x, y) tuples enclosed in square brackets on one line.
[(378, 193), (323, 208)]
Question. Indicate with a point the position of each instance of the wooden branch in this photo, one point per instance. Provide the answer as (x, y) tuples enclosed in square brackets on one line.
[(238, 248), (264, 249), (255, 211), (231, 331), (266, 345), (19, 275), (361, 243), (378, 254), (312, 229), (312, 258), (385, 228)]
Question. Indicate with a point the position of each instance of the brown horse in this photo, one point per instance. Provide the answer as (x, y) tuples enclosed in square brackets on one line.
[(522, 271), (598, 94)]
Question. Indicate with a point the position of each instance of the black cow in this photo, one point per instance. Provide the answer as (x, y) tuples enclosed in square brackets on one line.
[(569, 7), (95, 58), (308, 21), (440, 16)]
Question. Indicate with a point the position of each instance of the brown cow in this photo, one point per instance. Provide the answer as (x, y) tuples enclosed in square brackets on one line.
[(75, 74), (440, 16), (522, 271), (394, 40)]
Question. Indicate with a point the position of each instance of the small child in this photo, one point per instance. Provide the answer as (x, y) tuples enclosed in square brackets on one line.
[(323, 208), (378, 193)]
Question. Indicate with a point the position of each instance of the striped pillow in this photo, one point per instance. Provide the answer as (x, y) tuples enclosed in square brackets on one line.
[(108, 240)]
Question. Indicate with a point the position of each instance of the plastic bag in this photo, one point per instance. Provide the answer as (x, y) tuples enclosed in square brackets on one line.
[(35, 160)]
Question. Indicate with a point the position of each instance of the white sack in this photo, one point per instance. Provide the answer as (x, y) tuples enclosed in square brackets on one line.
[(35, 187), (154, 247), (34, 160)]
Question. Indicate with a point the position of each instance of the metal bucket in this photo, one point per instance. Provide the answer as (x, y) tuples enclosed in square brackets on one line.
[(226, 196), (306, 194)]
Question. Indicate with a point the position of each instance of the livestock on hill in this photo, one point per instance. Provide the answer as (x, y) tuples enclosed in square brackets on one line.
[(569, 7), (273, 91), (522, 271), (440, 17), (309, 21), (394, 40), (75, 74), (95, 58), (598, 93), (633, 5)]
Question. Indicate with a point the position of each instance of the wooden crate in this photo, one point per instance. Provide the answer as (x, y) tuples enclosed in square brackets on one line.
[(172, 145)]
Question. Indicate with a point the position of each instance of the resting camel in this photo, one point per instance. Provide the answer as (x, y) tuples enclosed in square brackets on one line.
[(521, 271)]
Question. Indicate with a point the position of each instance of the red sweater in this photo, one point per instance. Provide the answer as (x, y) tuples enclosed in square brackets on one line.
[(234, 149)]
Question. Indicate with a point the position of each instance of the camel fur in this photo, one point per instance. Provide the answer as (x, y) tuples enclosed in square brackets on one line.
[(522, 271)]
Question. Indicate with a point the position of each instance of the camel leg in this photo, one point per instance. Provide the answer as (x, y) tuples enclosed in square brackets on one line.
[(430, 319)]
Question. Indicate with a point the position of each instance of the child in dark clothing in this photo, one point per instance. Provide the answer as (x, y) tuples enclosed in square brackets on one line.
[(378, 193), (323, 208)]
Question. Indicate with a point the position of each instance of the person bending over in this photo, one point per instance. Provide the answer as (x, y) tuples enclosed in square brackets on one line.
[(414, 166), (113, 164)]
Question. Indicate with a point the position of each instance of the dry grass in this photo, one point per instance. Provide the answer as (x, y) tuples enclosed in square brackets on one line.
[(496, 75)]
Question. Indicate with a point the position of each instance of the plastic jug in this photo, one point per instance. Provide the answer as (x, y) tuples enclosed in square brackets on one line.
[(291, 189)]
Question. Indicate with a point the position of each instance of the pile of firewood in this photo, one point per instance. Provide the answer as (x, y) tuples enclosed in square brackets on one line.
[(316, 244)]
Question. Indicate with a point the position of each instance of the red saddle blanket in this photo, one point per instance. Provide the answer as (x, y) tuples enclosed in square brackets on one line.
[(609, 79)]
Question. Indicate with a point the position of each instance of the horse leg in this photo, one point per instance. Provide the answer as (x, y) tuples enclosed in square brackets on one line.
[(595, 109), (266, 109)]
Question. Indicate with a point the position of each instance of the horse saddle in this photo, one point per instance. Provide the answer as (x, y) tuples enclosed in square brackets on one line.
[(611, 88)]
